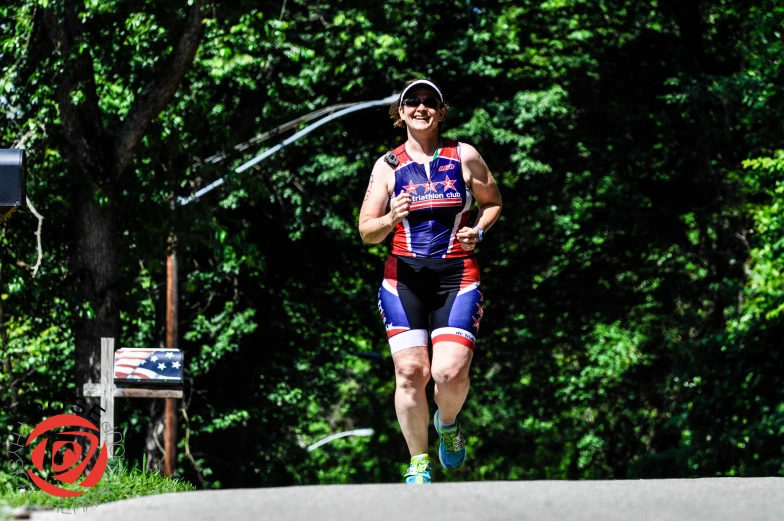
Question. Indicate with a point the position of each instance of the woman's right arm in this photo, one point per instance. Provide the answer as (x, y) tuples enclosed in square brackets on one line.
[(375, 222)]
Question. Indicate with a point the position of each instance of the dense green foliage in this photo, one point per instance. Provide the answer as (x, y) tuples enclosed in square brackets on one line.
[(633, 284)]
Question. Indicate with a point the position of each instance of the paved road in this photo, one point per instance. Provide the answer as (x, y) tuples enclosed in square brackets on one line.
[(716, 499)]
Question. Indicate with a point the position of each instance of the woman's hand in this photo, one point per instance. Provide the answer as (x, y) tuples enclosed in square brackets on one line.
[(400, 207), (468, 237)]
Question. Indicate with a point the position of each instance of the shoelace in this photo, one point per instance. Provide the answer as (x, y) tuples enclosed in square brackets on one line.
[(417, 467), (453, 440)]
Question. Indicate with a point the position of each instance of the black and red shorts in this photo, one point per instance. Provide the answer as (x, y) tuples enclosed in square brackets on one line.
[(439, 297)]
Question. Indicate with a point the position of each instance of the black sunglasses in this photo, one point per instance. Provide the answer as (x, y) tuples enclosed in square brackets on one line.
[(428, 101)]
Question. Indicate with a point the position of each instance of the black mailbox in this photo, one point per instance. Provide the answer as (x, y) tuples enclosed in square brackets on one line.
[(12, 185)]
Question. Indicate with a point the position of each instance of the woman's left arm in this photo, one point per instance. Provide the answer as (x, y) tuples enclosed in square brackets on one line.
[(486, 193)]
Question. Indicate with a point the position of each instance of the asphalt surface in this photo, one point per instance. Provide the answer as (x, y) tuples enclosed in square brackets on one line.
[(715, 499)]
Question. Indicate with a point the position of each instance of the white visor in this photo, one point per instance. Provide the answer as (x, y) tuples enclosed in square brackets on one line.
[(421, 82)]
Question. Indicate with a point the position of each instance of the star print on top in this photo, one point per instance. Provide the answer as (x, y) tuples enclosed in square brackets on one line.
[(440, 204)]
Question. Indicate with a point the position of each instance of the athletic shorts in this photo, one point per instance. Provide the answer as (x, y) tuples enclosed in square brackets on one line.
[(439, 297)]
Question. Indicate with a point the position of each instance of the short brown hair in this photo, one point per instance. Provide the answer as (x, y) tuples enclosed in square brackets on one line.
[(395, 115)]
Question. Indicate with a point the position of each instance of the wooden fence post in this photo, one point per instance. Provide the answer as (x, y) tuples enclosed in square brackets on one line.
[(107, 388)]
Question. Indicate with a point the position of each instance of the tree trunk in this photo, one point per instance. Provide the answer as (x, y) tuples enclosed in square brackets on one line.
[(100, 149), (95, 272)]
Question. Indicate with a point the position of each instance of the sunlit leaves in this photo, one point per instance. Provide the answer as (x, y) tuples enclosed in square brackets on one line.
[(632, 284)]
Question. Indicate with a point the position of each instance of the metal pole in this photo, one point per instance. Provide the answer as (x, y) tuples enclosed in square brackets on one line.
[(333, 437), (170, 433)]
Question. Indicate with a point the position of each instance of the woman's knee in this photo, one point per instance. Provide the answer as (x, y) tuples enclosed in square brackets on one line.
[(451, 363), (412, 371), (450, 374)]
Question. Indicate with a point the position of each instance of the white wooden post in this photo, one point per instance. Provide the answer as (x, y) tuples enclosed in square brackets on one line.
[(107, 389)]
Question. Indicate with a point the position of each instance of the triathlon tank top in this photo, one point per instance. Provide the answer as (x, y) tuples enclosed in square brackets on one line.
[(440, 204)]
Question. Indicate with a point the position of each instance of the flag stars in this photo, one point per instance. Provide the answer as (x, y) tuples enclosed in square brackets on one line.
[(411, 187), (449, 184), (430, 187), (149, 364)]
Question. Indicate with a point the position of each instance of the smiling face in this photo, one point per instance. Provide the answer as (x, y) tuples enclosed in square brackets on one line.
[(422, 118)]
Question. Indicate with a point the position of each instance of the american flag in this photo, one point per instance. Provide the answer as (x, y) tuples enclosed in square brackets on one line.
[(134, 363)]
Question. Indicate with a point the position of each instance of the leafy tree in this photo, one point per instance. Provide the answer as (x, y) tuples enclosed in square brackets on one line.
[(631, 283)]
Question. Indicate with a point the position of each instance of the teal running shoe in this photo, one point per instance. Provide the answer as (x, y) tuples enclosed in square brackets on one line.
[(451, 450), (418, 472)]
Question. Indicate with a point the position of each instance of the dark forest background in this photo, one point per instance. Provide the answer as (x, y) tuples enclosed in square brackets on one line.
[(633, 285)]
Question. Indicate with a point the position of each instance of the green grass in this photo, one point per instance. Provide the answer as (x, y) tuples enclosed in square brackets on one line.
[(119, 482)]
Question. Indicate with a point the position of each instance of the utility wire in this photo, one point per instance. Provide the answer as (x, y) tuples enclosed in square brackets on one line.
[(220, 156), (349, 108)]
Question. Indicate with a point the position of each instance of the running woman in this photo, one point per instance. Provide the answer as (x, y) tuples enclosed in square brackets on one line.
[(422, 193)]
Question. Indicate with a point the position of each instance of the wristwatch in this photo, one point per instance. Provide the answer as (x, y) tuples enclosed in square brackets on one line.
[(481, 233)]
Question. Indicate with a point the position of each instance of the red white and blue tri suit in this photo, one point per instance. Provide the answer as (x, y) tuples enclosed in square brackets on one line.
[(431, 285)]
